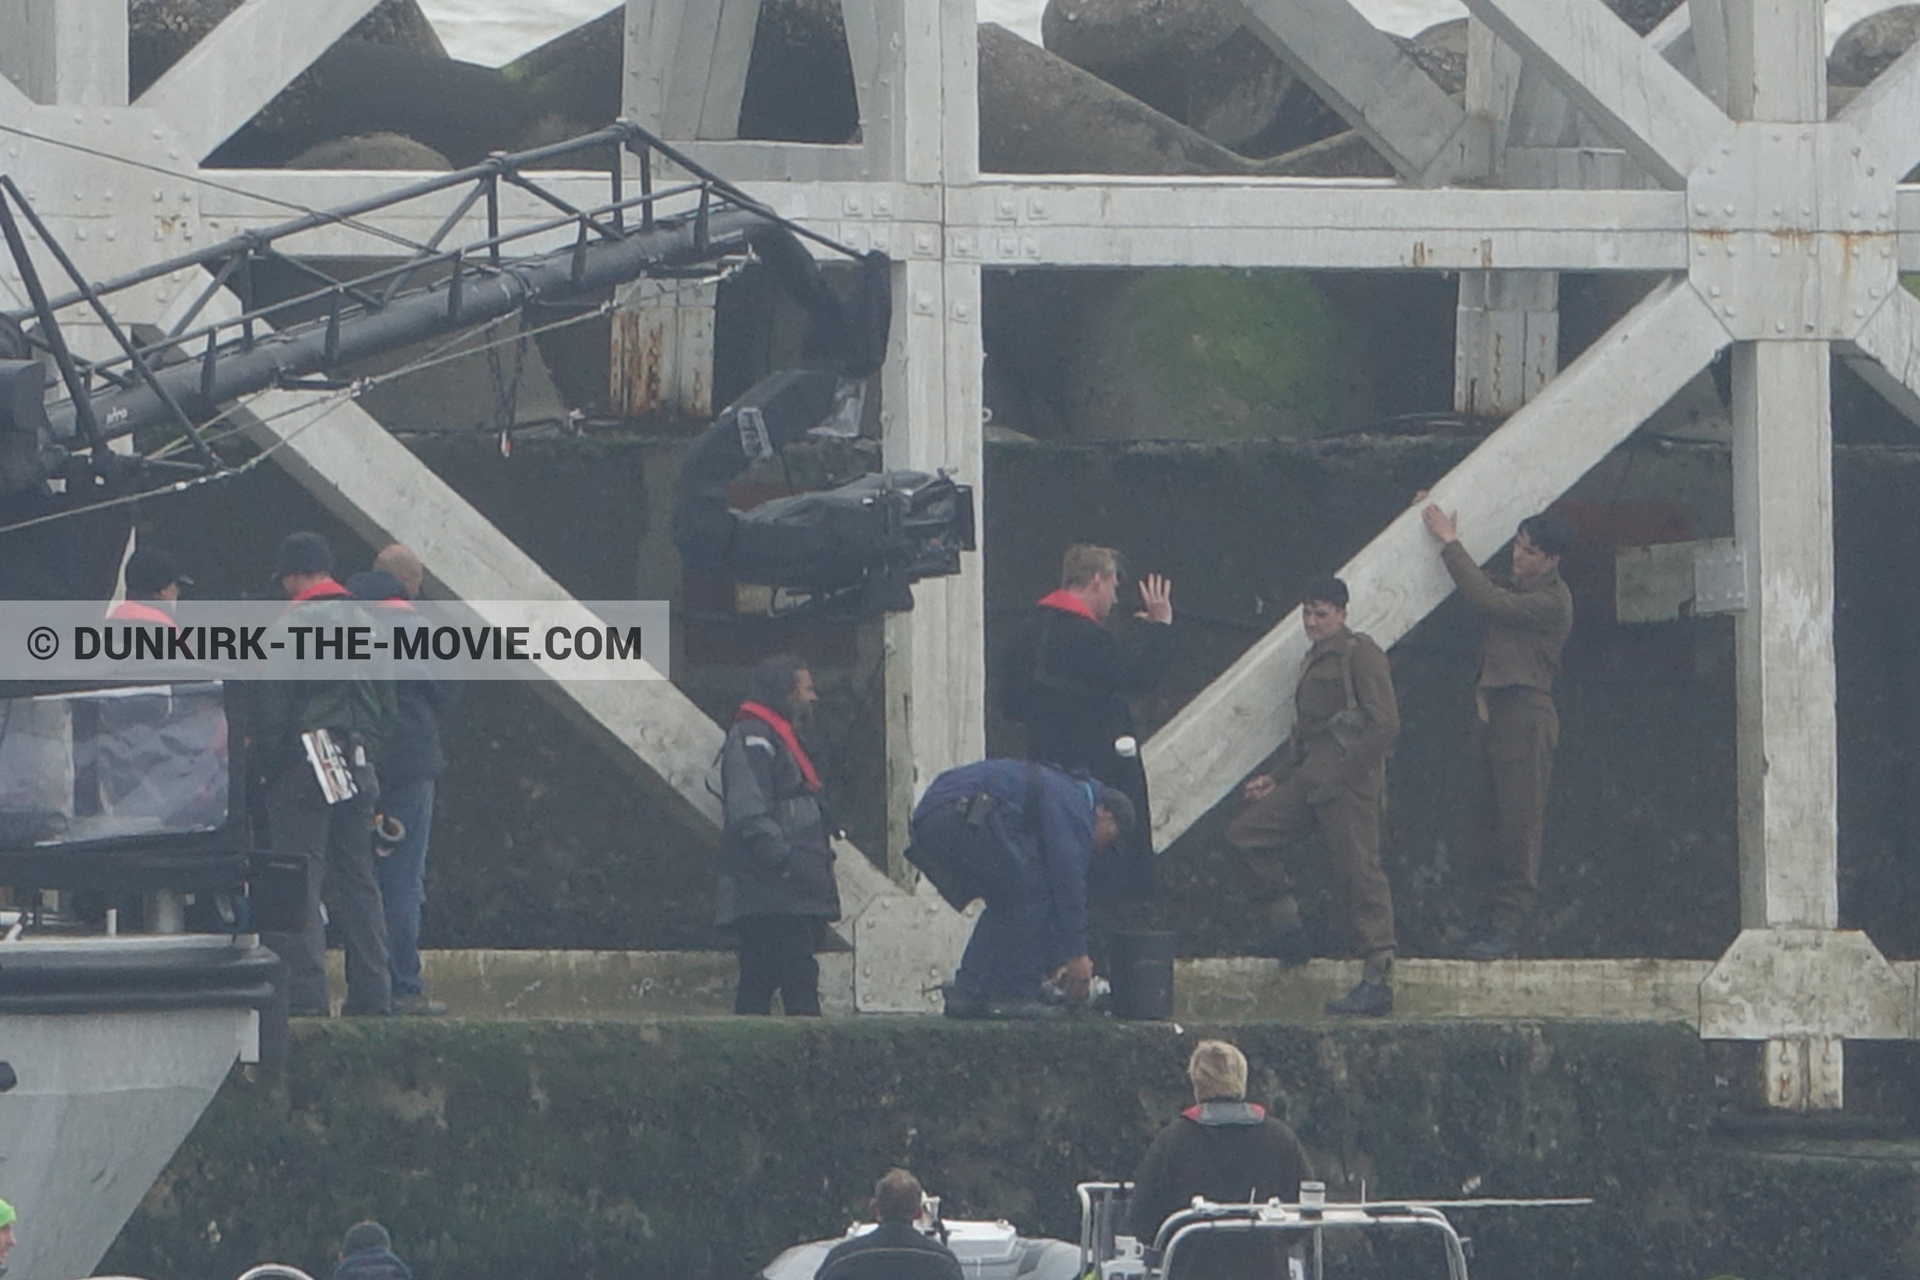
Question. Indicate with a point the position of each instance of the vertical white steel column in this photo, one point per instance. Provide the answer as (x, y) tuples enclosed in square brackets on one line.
[(1506, 329), (1506, 340), (66, 52), (684, 77), (662, 353), (927, 123), (1783, 521)]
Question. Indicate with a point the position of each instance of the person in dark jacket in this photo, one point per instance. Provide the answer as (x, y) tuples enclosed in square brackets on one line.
[(895, 1249), (777, 889), (1227, 1150), (335, 840), (153, 581), (410, 763), (1050, 825), (366, 1253), (1067, 676)]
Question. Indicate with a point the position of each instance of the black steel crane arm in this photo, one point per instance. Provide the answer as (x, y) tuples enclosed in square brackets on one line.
[(184, 376)]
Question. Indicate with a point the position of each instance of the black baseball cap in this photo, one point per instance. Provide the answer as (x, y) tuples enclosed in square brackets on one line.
[(303, 553), (151, 570)]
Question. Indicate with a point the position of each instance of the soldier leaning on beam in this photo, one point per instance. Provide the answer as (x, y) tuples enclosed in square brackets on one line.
[(1333, 774), (1516, 728)]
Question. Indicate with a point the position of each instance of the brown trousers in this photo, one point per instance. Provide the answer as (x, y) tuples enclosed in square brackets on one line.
[(1512, 754), (1351, 823)]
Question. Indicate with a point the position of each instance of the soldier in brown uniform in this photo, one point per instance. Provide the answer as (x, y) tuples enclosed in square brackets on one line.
[(1529, 615), (1333, 772)]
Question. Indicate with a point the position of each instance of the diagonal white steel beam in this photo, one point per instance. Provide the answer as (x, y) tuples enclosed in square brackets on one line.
[(1365, 77), (14, 103), (1885, 112), (1397, 579), (376, 484), (243, 64), (1886, 352), (1613, 75)]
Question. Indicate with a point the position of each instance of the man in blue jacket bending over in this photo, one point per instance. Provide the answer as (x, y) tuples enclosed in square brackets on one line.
[(1049, 824)]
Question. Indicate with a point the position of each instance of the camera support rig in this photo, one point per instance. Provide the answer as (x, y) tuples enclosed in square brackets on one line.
[(178, 381)]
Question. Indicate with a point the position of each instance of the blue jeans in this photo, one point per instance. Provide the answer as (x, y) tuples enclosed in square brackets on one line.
[(1006, 958), (403, 879)]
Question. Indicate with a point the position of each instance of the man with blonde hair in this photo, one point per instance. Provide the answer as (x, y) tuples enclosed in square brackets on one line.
[(1225, 1149), (1066, 675)]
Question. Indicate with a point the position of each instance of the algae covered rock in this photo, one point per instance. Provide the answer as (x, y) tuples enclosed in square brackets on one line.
[(1871, 45), (160, 31), (1211, 354), (1041, 114)]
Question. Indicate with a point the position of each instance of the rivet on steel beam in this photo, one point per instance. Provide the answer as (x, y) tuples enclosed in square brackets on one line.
[(1728, 308), (1700, 209), (1859, 312), (1873, 293), (1776, 250), (1729, 210), (1702, 251), (1779, 326), (1714, 292)]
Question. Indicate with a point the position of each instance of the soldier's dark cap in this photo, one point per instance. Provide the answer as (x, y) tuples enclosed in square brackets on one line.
[(1116, 802), (151, 570), (303, 553)]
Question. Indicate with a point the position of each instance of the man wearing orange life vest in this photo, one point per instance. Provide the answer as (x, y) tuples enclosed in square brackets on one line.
[(153, 584), (776, 886)]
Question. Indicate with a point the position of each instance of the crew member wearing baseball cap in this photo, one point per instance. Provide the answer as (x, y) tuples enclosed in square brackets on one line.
[(153, 584)]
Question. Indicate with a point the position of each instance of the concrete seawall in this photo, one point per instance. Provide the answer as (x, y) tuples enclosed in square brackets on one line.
[(699, 1147)]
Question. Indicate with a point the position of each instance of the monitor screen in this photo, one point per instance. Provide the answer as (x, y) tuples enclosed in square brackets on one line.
[(105, 787)]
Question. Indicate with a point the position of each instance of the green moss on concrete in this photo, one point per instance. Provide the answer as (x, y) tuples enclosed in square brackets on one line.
[(700, 1148), (1264, 341), (1266, 338)]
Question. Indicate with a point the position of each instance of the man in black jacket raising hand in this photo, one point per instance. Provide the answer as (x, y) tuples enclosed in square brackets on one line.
[(1067, 676)]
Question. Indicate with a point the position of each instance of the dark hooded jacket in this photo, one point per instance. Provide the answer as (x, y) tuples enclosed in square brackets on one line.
[(775, 857), (412, 751), (1067, 678), (1230, 1152)]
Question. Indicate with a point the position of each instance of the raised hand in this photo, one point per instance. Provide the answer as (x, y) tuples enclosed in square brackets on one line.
[(1157, 593)]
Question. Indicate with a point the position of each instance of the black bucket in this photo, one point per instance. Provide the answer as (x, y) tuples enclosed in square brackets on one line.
[(1142, 975)]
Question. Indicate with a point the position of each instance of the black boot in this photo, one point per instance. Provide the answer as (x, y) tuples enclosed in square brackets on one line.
[(1368, 999)]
